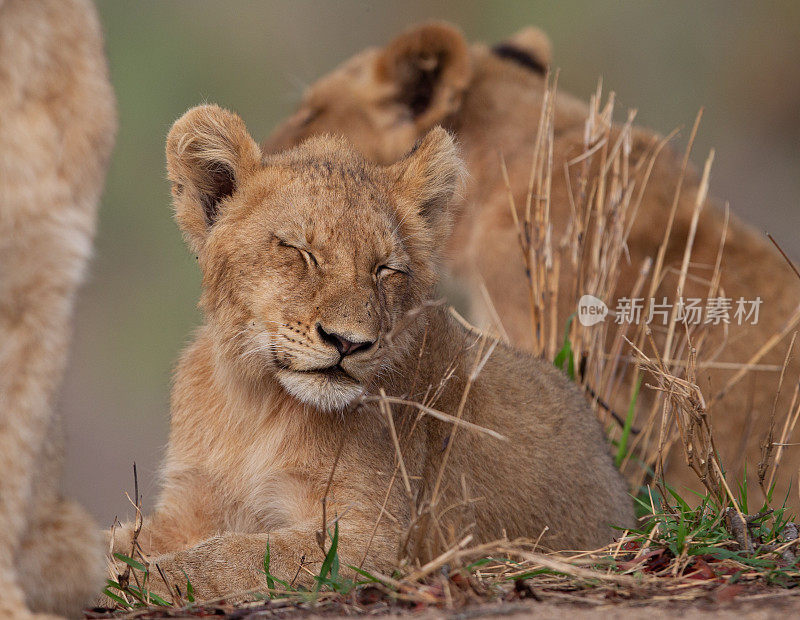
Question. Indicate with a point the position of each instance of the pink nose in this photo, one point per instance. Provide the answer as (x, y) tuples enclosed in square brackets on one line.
[(342, 344)]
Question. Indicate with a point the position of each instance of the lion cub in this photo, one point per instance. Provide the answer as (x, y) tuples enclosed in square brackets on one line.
[(317, 267)]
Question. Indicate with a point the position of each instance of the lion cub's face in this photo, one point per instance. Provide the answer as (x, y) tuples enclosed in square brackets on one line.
[(310, 258)]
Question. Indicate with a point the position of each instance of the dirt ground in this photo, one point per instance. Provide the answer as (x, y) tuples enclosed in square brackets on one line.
[(752, 603), (780, 606)]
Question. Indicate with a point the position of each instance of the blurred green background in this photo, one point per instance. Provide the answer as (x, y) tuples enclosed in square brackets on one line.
[(667, 59)]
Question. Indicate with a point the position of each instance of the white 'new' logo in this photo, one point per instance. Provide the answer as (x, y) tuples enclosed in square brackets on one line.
[(591, 310)]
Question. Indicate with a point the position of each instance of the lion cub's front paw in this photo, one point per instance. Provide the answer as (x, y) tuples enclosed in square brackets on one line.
[(213, 569), (186, 572)]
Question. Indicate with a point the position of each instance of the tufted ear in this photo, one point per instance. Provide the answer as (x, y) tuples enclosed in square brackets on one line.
[(529, 47), (429, 67), (209, 154), (427, 179)]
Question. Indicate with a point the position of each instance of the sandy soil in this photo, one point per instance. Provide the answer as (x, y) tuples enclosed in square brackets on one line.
[(773, 603)]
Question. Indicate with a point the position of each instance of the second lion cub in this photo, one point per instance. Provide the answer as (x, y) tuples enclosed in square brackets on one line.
[(316, 269)]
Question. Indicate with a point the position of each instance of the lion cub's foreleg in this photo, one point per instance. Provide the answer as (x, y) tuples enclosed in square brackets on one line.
[(233, 563)]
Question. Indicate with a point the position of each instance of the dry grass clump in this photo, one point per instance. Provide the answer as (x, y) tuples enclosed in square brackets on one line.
[(715, 545)]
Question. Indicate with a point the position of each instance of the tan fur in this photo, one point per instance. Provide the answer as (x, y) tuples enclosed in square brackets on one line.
[(57, 123), (316, 238), (498, 112)]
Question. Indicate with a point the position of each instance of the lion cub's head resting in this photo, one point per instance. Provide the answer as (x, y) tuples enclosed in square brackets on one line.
[(309, 257)]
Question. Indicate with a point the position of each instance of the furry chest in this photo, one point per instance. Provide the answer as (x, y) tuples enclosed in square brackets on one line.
[(266, 488)]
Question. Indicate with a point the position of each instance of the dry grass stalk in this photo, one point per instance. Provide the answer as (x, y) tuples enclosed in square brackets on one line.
[(605, 190), (767, 444)]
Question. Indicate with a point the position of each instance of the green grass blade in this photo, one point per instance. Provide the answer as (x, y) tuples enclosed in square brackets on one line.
[(684, 505), (154, 599), (130, 562), (564, 357), (117, 599), (622, 450), (270, 579), (189, 588), (726, 554), (330, 557), (534, 573), (366, 574)]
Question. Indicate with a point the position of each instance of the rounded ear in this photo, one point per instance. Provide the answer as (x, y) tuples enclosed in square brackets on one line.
[(429, 66), (209, 154), (427, 179), (529, 47)]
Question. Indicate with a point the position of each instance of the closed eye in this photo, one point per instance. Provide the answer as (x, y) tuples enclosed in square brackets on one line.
[(308, 257), (383, 271)]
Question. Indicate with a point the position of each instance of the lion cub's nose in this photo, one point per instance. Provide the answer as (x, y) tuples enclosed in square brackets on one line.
[(342, 344)]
